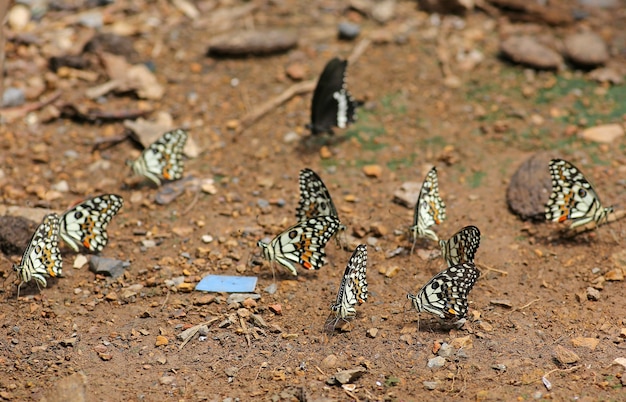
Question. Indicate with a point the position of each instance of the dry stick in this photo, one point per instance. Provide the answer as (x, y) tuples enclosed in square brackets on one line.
[(296, 89), (488, 268), (300, 88), (195, 330), (4, 6), (10, 114)]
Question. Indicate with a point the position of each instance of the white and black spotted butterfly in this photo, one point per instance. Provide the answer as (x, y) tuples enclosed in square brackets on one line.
[(445, 295), (303, 243), (429, 209), (352, 290), (315, 199), (163, 159), (332, 104), (85, 225), (461, 247), (42, 257), (573, 197)]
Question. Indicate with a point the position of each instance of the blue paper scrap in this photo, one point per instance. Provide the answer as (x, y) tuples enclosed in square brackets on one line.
[(227, 283)]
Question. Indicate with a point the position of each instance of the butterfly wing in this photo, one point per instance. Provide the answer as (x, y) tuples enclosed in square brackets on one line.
[(315, 199), (332, 105), (461, 247), (572, 197), (42, 257), (445, 295), (429, 209), (86, 224), (163, 159)]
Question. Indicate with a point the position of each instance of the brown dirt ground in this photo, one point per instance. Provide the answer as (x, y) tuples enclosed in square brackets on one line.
[(418, 122)]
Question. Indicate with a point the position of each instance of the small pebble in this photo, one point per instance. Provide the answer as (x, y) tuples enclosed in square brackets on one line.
[(436, 362), (291, 137), (161, 341), (430, 385), (19, 16), (373, 171), (330, 361), (348, 30), (13, 97), (372, 332), (593, 294)]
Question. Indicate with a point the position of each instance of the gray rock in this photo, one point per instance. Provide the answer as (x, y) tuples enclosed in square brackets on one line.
[(13, 97), (445, 350), (106, 266), (348, 30), (240, 297), (530, 187), (586, 49), (260, 43), (436, 362), (599, 3), (527, 51), (349, 376), (431, 385)]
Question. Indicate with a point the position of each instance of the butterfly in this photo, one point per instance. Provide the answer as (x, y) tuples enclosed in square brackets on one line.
[(332, 105), (461, 247), (86, 224), (445, 294), (353, 288), (573, 197), (163, 159), (303, 243), (42, 257), (429, 209), (315, 199)]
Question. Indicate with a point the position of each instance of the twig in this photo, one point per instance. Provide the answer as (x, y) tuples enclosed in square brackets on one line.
[(10, 114), (194, 330), (260, 111), (4, 7), (527, 304), (358, 50), (167, 296), (488, 268), (244, 328)]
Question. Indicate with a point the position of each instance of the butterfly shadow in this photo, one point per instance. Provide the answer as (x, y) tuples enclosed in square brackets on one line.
[(312, 144), (27, 289)]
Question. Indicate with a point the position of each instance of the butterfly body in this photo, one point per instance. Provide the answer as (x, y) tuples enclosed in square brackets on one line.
[(429, 209), (461, 247), (163, 159), (85, 224), (573, 197), (332, 105), (303, 243), (445, 294), (42, 257)]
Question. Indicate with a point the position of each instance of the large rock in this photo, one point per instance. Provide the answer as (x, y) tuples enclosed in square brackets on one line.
[(586, 49), (527, 51), (530, 187)]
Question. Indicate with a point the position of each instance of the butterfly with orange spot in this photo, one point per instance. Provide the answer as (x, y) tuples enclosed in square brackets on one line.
[(573, 197), (303, 243), (429, 209), (163, 159)]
